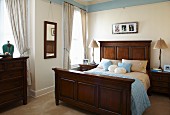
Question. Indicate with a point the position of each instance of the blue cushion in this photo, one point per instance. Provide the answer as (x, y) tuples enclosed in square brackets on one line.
[(127, 66), (106, 65)]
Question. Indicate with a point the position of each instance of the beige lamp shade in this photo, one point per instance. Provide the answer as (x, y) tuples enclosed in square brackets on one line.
[(160, 44), (93, 44)]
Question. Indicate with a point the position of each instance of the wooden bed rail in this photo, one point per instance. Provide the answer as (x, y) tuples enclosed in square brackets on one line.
[(96, 93)]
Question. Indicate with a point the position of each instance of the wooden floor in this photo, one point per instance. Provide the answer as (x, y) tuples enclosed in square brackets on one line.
[(45, 105)]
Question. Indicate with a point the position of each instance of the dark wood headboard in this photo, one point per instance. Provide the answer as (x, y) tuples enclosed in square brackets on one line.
[(132, 50)]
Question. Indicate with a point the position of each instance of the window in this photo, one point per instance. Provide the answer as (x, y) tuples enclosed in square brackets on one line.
[(5, 29), (77, 49)]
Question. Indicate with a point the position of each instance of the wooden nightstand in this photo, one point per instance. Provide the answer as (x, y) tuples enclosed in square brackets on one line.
[(85, 67), (160, 82)]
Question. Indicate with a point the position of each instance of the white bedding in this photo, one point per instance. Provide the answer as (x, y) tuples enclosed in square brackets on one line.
[(144, 78)]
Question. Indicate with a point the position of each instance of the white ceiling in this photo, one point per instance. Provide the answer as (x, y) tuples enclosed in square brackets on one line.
[(90, 2)]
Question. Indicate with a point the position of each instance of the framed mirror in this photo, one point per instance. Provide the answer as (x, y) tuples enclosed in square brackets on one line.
[(50, 39)]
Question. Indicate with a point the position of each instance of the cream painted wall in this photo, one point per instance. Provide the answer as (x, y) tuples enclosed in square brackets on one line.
[(154, 23), (42, 74)]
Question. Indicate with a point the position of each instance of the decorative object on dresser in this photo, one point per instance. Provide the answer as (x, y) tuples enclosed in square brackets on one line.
[(13, 80), (93, 44), (85, 67), (160, 82), (125, 28), (8, 49), (160, 44)]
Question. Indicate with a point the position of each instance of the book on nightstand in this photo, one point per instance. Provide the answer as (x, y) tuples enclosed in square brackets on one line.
[(156, 70)]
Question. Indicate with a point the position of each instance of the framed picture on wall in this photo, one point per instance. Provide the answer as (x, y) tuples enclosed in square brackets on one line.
[(125, 28)]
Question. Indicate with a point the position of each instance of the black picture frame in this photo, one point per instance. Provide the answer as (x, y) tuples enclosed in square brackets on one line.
[(125, 28)]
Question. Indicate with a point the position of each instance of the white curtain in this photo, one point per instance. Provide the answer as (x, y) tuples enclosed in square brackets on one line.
[(17, 10), (84, 28), (2, 24), (68, 13)]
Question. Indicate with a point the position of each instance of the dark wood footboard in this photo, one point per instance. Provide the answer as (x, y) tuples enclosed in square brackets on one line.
[(95, 93)]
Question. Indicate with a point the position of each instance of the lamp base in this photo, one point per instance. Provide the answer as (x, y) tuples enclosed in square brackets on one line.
[(93, 63), (160, 68)]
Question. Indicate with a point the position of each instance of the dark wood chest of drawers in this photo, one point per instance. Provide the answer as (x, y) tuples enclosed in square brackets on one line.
[(13, 80), (160, 82)]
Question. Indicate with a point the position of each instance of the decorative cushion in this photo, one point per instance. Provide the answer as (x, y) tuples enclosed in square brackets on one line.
[(114, 62), (100, 64), (127, 66), (106, 64), (137, 65), (120, 70), (112, 68)]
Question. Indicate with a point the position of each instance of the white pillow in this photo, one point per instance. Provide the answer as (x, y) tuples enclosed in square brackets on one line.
[(114, 62), (112, 68), (120, 70)]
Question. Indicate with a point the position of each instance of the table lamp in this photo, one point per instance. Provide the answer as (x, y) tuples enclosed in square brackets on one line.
[(93, 44), (160, 44)]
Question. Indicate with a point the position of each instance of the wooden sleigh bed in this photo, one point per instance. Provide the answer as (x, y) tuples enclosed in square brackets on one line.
[(93, 92)]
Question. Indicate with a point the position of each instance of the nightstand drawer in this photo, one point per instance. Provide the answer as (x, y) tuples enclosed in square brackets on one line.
[(160, 84), (161, 78), (160, 89)]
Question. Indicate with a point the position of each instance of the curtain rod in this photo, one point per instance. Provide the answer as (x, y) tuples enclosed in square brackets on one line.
[(76, 6)]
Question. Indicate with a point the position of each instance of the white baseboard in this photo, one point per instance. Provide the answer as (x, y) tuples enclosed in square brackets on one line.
[(41, 92)]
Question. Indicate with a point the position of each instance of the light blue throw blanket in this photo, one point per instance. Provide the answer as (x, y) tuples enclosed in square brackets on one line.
[(139, 99)]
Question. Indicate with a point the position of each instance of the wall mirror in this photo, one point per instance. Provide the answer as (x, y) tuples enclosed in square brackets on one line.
[(50, 38)]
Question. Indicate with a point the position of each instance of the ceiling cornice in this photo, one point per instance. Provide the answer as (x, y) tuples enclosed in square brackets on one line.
[(91, 2), (110, 5), (120, 4)]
